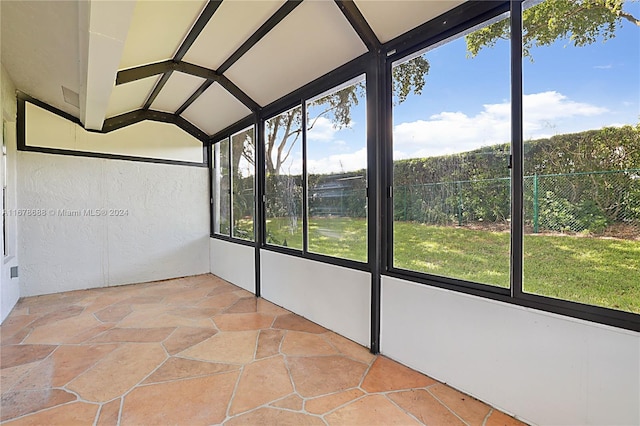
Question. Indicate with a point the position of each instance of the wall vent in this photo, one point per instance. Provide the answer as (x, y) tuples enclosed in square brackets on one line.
[(71, 97)]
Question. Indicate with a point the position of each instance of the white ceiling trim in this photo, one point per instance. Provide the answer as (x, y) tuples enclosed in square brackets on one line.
[(102, 41)]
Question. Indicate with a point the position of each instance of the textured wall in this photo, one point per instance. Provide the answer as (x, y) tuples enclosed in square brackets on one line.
[(9, 287), (160, 228), (544, 368)]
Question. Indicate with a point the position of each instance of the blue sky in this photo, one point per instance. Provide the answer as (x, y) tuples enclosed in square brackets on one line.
[(466, 101)]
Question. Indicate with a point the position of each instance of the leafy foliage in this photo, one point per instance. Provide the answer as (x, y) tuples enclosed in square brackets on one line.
[(409, 77), (581, 22), (576, 193), (283, 132)]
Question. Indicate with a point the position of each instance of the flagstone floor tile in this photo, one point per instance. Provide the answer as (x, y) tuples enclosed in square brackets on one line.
[(261, 382), (200, 351)]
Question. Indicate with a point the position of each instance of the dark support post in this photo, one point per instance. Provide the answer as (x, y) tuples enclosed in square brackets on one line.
[(517, 157), (259, 223), (209, 147), (376, 183), (305, 190)]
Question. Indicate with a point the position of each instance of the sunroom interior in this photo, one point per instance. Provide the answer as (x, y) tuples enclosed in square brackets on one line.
[(454, 185)]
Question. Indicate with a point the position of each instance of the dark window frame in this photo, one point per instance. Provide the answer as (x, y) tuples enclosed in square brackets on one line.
[(402, 48), (447, 282), (21, 142), (313, 90), (213, 169), (377, 67), (227, 133), (231, 181), (263, 169)]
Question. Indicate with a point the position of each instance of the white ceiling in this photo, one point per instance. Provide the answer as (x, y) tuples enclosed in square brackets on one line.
[(215, 109), (40, 42), (389, 19), (177, 90), (323, 40), (82, 44), (229, 34), (157, 30), (131, 96)]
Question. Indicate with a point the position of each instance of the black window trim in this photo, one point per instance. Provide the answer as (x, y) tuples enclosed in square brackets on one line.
[(315, 89), (21, 134), (255, 166), (377, 67)]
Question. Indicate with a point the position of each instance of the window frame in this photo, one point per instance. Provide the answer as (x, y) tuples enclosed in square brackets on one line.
[(376, 64), (402, 48), (306, 94), (214, 140), (443, 281), (231, 181), (214, 193), (263, 167)]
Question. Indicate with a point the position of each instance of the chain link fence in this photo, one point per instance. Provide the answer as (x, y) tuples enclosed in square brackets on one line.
[(605, 202)]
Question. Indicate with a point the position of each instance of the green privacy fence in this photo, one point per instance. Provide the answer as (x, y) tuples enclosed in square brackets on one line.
[(588, 202)]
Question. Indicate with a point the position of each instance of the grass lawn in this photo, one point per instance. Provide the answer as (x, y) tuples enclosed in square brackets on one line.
[(595, 271), (338, 237)]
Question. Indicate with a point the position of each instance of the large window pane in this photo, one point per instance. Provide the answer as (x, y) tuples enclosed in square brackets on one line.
[(336, 172), (582, 154), (221, 187), (283, 158), (243, 181), (451, 143)]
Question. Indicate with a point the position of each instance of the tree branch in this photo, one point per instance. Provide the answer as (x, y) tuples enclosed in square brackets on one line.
[(326, 111), (291, 147), (629, 17), (271, 143), (282, 144)]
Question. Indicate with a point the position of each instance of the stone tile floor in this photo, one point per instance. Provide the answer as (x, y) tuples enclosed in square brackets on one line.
[(199, 350)]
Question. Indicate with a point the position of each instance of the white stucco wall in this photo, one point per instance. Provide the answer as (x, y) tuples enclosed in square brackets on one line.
[(544, 368), (164, 232), (335, 297), (234, 263), (9, 287)]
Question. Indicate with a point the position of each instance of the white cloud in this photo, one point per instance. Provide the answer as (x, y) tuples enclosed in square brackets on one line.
[(339, 162), (323, 130), (603, 67), (546, 106), (453, 132)]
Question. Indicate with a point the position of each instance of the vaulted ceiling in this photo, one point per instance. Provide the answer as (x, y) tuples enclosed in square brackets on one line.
[(202, 65)]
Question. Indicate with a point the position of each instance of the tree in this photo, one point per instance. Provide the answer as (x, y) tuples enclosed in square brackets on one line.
[(283, 131), (580, 21)]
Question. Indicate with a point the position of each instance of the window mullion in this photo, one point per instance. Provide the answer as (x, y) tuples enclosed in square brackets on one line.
[(231, 171), (305, 191), (517, 157)]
